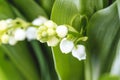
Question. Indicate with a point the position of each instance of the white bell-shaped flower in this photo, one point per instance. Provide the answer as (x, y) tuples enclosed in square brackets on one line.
[(38, 21), (31, 33), (53, 41), (79, 52), (66, 46), (20, 34), (62, 31), (3, 25), (12, 41)]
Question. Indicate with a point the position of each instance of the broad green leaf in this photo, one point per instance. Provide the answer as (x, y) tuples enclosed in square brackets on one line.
[(102, 31), (7, 69), (5, 12), (118, 6), (46, 5), (115, 69), (109, 77), (74, 13), (28, 8)]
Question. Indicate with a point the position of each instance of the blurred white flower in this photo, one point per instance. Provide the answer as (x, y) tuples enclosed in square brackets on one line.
[(62, 31), (3, 25), (38, 21), (31, 33), (19, 34), (79, 52), (53, 41), (66, 46), (5, 38), (9, 21), (12, 41)]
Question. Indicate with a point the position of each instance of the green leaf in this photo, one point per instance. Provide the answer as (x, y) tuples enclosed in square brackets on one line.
[(28, 8), (67, 67), (22, 58), (5, 12), (102, 31), (46, 5), (8, 69), (118, 6), (109, 77)]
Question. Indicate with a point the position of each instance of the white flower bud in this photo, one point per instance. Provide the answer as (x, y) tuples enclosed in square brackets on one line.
[(31, 33), (19, 34), (3, 25), (51, 32), (9, 21), (62, 31), (50, 24), (79, 52), (39, 21), (4, 38), (12, 41), (53, 41), (66, 46)]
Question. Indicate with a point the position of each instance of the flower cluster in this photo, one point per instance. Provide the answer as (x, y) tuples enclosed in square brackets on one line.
[(66, 35), (12, 31)]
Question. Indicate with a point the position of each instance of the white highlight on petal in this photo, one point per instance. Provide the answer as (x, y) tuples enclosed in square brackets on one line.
[(12, 41), (79, 52), (38, 21), (66, 46), (53, 41), (62, 31), (19, 34), (31, 33), (3, 25)]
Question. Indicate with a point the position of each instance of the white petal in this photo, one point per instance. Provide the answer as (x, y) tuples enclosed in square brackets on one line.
[(79, 52), (66, 46), (31, 33), (53, 41), (39, 21), (62, 31), (12, 41), (20, 34)]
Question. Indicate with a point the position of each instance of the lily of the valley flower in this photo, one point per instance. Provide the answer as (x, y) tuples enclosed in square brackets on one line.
[(62, 31), (19, 34), (39, 21), (66, 46), (31, 33), (53, 41), (79, 52)]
